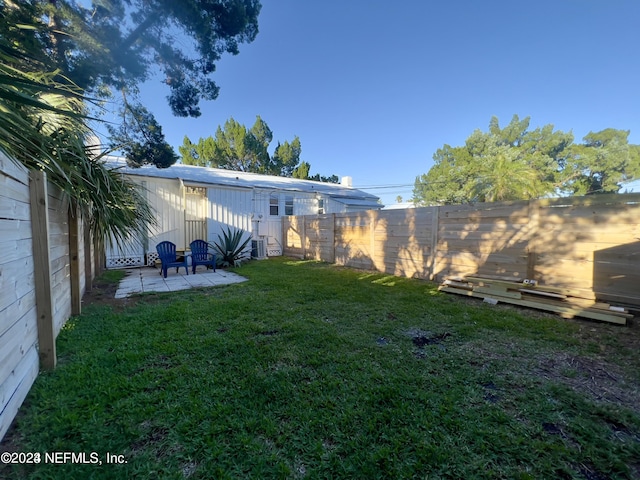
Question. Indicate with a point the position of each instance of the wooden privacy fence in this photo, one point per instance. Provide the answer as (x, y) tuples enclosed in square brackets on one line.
[(587, 245), (47, 261)]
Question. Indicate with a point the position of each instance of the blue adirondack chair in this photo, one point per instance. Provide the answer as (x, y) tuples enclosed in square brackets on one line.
[(200, 255), (168, 257)]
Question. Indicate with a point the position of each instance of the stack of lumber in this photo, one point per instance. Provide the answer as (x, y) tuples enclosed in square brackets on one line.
[(530, 294)]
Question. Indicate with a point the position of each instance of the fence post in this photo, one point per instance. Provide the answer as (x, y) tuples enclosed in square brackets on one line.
[(532, 247), (42, 268), (88, 266), (333, 234), (434, 243), (74, 259), (373, 217), (303, 236)]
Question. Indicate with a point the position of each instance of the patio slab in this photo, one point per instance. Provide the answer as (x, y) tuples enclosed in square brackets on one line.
[(149, 279)]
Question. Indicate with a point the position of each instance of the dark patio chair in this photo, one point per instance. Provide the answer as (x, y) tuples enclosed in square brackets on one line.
[(200, 255), (168, 257)]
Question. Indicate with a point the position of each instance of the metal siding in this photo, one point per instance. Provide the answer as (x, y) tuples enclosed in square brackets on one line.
[(166, 199), (228, 206), (261, 203), (331, 206), (305, 204)]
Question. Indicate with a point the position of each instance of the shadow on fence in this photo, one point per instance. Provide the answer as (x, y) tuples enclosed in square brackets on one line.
[(587, 245)]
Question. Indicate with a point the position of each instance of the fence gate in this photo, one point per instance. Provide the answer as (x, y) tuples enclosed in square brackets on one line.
[(195, 218)]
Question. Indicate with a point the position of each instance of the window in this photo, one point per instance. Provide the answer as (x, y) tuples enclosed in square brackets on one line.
[(320, 206), (273, 205), (288, 205), (195, 190)]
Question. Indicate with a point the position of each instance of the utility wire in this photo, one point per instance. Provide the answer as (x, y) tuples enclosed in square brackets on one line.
[(380, 187)]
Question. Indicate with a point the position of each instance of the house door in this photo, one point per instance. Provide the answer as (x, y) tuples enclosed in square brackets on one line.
[(274, 236), (195, 215), (274, 226)]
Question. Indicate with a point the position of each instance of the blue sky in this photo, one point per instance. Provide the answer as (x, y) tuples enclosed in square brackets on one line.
[(373, 88)]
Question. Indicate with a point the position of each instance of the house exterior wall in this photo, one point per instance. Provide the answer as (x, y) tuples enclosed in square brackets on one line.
[(228, 207), (331, 206), (243, 207), (166, 198)]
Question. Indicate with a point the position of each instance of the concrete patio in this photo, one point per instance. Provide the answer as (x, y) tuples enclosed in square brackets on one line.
[(149, 279)]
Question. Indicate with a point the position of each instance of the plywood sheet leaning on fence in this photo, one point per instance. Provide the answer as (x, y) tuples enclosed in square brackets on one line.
[(529, 294)]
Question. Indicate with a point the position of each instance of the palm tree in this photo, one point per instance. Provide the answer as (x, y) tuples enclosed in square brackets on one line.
[(505, 176), (44, 126)]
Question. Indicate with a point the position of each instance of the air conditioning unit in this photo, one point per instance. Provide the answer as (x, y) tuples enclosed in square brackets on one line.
[(257, 249)]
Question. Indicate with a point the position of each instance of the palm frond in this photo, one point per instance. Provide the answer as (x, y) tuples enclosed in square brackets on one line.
[(44, 126)]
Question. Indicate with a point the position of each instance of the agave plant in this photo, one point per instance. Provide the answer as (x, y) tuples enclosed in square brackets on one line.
[(232, 247)]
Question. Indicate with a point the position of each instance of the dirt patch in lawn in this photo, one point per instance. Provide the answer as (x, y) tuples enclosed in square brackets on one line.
[(595, 378), (609, 373), (606, 379), (104, 293)]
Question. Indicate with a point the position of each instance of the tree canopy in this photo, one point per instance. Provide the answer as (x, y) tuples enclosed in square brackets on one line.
[(236, 147), (43, 126), (140, 137), (107, 45), (516, 163), (120, 43)]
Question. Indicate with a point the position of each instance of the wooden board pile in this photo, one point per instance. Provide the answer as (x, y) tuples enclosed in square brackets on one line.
[(529, 294)]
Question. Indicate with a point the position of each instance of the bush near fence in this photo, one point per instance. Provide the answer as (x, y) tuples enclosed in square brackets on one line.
[(47, 262), (587, 245)]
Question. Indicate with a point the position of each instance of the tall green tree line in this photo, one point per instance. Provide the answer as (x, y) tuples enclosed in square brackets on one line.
[(236, 147), (516, 162)]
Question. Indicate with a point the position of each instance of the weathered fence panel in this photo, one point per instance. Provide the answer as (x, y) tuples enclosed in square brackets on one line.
[(46, 265), (402, 242), (18, 316), (589, 245), (59, 257), (487, 239)]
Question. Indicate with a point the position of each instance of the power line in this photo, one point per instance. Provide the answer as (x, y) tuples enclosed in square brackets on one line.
[(381, 187)]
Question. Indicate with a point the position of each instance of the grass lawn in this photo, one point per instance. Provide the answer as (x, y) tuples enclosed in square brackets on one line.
[(309, 370)]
